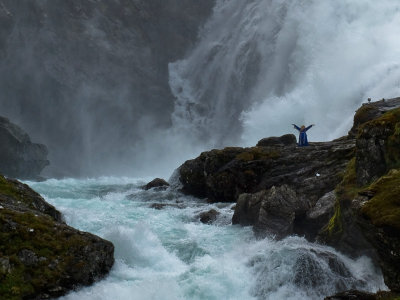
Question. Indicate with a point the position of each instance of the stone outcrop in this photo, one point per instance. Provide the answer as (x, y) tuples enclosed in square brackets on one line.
[(359, 295), (40, 256), (158, 183), (272, 211), (222, 175), (208, 217), (19, 157), (284, 140), (345, 193), (367, 207), (310, 172)]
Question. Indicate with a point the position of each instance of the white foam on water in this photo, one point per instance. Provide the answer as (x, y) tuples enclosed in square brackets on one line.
[(261, 65), (169, 254)]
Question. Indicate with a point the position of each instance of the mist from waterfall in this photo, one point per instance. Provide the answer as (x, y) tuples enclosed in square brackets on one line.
[(93, 80), (262, 65)]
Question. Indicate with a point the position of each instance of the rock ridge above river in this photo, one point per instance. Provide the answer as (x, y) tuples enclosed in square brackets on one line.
[(344, 192)]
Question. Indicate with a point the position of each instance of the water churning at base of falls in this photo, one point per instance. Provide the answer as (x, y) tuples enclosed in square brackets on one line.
[(170, 254), (261, 65)]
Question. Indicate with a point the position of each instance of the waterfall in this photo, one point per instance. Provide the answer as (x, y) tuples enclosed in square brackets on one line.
[(261, 65)]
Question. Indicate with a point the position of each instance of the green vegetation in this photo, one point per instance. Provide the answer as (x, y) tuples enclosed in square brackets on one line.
[(383, 209), (345, 191), (8, 189), (51, 245), (257, 153), (389, 125), (363, 114)]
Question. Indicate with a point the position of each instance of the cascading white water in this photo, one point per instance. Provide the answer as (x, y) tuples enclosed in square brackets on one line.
[(170, 254), (261, 65)]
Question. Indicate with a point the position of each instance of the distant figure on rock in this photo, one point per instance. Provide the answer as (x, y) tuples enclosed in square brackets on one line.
[(302, 134)]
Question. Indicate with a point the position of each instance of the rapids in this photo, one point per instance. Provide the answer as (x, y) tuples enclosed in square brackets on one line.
[(169, 254)]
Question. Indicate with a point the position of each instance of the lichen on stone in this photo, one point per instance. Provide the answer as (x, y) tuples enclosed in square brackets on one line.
[(383, 209), (257, 153)]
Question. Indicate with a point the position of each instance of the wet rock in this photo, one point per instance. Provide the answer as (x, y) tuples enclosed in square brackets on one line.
[(222, 175), (158, 183), (370, 111), (284, 140), (48, 257), (208, 217), (353, 295), (5, 266), (271, 211), (19, 157), (28, 257), (366, 218), (247, 208), (19, 196), (318, 216), (160, 206)]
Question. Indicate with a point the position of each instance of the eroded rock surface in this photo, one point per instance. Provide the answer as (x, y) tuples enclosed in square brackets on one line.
[(40, 256), (19, 157)]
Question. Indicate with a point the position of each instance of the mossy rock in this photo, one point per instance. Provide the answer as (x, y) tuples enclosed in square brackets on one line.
[(383, 209), (20, 196), (41, 257), (345, 191), (257, 153)]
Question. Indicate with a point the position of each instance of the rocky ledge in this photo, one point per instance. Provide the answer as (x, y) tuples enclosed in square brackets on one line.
[(19, 157), (40, 256), (345, 193)]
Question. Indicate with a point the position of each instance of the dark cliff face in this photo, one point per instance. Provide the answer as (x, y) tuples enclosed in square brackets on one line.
[(367, 208), (19, 157), (345, 193), (40, 256), (88, 78)]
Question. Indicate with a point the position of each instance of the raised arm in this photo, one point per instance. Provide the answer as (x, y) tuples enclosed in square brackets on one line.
[(309, 127), (296, 127)]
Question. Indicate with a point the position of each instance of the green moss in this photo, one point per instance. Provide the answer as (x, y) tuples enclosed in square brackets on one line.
[(387, 120), (257, 153), (7, 189), (389, 123), (363, 114), (335, 226), (386, 295), (393, 148), (345, 191), (383, 209), (47, 239)]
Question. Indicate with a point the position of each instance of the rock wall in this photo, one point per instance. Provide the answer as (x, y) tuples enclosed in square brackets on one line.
[(91, 77), (40, 256), (367, 208), (19, 157), (345, 193)]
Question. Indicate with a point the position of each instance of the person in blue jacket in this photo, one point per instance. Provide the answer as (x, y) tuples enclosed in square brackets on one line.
[(302, 134)]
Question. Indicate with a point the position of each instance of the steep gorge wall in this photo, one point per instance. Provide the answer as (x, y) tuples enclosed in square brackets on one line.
[(90, 78)]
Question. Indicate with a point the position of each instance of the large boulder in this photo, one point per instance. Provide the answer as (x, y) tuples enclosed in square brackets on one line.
[(40, 256), (158, 183), (222, 175), (19, 157), (272, 212), (284, 140)]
